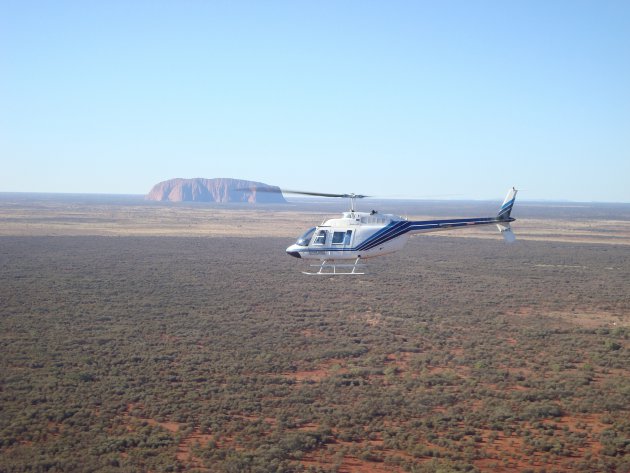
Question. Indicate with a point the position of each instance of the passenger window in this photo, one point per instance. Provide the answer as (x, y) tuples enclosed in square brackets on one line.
[(348, 237), (338, 237), (320, 237)]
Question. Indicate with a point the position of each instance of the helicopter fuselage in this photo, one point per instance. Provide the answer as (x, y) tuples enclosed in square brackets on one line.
[(367, 235)]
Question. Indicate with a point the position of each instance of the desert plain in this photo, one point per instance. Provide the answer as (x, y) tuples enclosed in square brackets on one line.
[(138, 336)]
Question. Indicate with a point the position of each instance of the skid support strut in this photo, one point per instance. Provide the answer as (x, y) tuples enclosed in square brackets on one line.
[(334, 269)]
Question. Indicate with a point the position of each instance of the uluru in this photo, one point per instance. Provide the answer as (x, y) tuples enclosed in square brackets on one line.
[(215, 190)]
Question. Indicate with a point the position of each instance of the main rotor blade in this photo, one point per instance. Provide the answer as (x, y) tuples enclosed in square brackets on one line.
[(324, 194), (317, 194)]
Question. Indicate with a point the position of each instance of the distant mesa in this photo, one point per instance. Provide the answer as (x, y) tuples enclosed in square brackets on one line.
[(215, 190)]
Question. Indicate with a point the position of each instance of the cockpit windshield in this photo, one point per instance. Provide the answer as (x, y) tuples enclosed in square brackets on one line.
[(305, 239)]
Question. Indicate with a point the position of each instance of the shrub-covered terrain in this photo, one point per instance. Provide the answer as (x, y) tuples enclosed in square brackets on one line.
[(122, 354)]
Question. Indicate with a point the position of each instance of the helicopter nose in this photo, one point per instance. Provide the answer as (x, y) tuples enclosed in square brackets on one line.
[(291, 251)]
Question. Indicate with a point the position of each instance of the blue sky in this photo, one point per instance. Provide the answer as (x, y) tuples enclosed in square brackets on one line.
[(383, 98)]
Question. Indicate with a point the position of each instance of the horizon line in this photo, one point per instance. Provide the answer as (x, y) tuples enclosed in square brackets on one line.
[(394, 199)]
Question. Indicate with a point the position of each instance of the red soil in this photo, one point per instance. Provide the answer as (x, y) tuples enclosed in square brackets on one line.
[(324, 370)]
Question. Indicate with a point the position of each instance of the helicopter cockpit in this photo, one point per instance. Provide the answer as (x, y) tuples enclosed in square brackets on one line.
[(305, 239)]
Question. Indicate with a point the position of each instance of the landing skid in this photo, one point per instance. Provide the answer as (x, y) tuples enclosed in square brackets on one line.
[(330, 269)]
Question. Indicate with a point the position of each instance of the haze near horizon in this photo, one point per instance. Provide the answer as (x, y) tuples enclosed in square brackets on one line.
[(403, 98)]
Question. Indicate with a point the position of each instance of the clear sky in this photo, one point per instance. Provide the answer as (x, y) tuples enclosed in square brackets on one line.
[(376, 97)]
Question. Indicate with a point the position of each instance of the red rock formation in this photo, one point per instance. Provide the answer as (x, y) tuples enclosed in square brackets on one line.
[(215, 190)]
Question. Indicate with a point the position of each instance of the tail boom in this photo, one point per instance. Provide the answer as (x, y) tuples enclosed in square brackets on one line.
[(502, 220)]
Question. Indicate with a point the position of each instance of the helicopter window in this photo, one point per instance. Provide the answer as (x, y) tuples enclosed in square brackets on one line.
[(338, 237), (320, 237), (348, 237), (305, 239)]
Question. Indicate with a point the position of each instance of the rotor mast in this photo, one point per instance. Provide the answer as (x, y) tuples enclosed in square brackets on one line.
[(353, 199)]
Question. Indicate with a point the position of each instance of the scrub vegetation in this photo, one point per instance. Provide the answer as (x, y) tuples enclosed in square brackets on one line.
[(138, 353)]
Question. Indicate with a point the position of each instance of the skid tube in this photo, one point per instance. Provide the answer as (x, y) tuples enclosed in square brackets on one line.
[(325, 265)]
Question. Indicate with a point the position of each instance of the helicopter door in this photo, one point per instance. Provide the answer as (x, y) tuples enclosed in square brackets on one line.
[(320, 237), (348, 238), (338, 238), (342, 238)]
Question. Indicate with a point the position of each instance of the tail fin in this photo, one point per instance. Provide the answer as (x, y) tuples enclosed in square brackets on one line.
[(504, 214), (508, 203)]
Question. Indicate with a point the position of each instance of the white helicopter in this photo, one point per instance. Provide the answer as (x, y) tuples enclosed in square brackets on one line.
[(362, 235)]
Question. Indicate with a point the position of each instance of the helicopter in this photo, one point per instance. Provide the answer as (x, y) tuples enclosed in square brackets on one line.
[(362, 235)]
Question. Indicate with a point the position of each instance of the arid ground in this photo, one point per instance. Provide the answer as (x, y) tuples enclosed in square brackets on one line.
[(147, 337)]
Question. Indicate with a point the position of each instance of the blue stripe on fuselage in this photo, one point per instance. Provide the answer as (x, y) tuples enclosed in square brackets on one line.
[(384, 233), (424, 225)]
